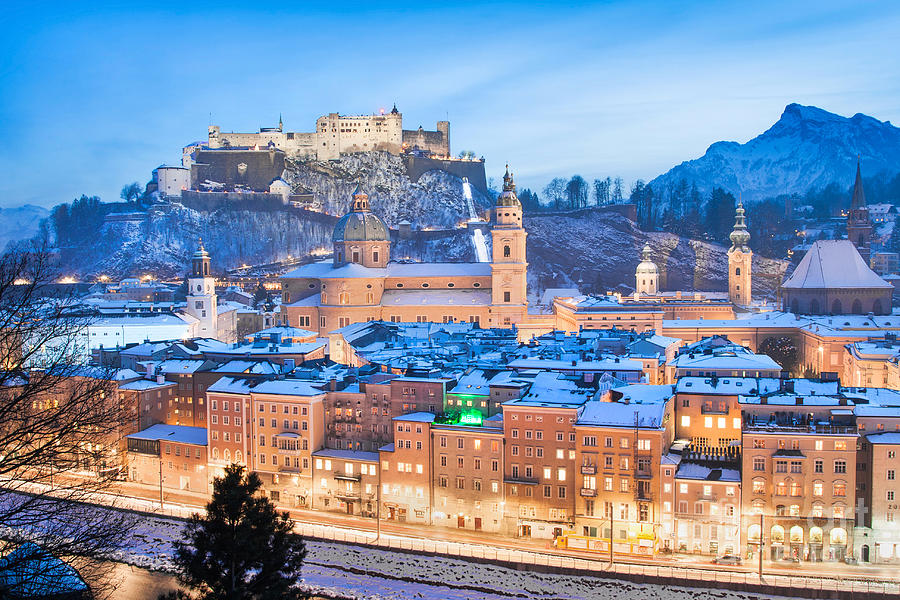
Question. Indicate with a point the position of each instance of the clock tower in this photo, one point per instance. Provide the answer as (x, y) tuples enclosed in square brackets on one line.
[(509, 299), (201, 296)]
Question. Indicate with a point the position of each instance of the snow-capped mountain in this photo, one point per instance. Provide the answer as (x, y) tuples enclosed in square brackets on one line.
[(807, 148)]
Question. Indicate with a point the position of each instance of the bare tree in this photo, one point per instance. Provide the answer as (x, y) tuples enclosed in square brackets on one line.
[(555, 191), (61, 424)]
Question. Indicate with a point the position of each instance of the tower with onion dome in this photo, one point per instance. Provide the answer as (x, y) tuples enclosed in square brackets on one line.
[(509, 297), (740, 261), (647, 274)]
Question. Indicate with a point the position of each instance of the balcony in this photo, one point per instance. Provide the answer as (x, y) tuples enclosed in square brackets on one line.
[(588, 469), (711, 497), (521, 480), (342, 476), (588, 492)]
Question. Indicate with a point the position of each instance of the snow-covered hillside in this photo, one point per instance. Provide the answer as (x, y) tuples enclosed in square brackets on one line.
[(601, 250), (435, 200), (807, 148), (20, 222)]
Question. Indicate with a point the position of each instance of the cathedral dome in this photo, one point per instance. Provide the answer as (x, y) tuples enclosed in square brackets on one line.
[(647, 266), (508, 196), (360, 225)]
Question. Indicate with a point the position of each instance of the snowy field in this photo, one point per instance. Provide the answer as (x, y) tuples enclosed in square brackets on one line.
[(347, 571)]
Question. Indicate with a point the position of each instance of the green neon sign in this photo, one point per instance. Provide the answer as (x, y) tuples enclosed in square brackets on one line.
[(470, 418)]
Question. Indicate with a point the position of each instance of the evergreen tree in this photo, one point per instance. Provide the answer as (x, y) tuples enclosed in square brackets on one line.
[(242, 548)]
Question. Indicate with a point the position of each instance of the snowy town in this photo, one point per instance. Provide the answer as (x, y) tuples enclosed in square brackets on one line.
[(268, 332)]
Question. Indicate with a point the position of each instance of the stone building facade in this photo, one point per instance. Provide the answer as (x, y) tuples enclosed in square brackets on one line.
[(338, 134)]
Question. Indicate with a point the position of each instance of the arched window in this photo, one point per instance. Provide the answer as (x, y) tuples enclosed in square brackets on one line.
[(344, 298), (777, 534), (370, 298), (876, 308), (356, 256), (227, 455), (796, 534), (814, 306), (216, 453), (838, 536), (375, 256), (238, 457), (857, 307), (815, 535), (795, 306), (753, 533), (836, 307), (506, 251), (737, 271)]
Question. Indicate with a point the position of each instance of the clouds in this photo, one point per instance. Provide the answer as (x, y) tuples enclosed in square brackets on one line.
[(89, 101)]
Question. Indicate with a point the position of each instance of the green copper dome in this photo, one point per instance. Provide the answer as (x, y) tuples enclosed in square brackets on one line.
[(360, 225), (740, 237)]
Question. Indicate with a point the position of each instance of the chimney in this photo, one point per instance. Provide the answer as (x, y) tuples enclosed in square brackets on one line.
[(160, 379)]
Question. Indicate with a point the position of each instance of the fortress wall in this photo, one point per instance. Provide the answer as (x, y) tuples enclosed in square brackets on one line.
[(472, 169)]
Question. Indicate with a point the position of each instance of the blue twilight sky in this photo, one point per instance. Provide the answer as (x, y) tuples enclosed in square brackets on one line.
[(94, 95)]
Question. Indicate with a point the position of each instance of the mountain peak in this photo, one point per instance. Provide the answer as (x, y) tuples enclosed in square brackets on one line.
[(808, 147)]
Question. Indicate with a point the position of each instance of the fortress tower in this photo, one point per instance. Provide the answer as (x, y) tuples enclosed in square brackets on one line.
[(647, 274), (509, 297), (201, 296), (740, 261), (859, 226)]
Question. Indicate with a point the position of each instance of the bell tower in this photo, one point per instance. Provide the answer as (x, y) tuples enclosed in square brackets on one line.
[(646, 275), (859, 226), (201, 296), (509, 297), (740, 261)]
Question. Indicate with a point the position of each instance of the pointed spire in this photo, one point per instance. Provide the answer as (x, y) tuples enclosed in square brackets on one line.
[(280, 124), (859, 196)]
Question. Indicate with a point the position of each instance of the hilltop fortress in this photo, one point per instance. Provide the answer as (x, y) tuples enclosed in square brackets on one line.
[(337, 134)]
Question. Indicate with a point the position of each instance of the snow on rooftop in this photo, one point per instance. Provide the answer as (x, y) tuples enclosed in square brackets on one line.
[(173, 433), (618, 414), (417, 417), (833, 264)]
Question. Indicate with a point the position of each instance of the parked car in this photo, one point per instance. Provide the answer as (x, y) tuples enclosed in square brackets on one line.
[(728, 559)]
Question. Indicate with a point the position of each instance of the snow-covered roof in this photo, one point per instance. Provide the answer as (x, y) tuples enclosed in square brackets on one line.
[(417, 417), (434, 297), (833, 264), (145, 384), (603, 364), (692, 470), (644, 393), (232, 385), (347, 455), (550, 294), (287, 387), (892, 437), (285, 331), (618, 414), (396, 269), (180, 366), (728, 360), (254, 367), (173, 433)]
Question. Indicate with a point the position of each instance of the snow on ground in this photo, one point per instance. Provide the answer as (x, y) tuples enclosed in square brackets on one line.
[(348, 571)]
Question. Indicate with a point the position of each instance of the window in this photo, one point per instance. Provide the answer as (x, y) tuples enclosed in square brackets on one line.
[(759, 464), (819, 466), (840, 489), (840, 466)]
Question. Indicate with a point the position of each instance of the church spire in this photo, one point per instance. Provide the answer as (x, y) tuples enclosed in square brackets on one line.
[(859, 196), (740, 237)]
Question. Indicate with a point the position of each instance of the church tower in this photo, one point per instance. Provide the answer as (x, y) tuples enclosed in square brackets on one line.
[(647, 274), (859, 227), (201, 297), (740, 261), (509, 297)]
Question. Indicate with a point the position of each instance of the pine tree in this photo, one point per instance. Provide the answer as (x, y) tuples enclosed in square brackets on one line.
[(242, 548)]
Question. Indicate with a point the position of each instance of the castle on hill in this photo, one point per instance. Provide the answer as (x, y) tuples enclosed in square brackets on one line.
[(337, 134)]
